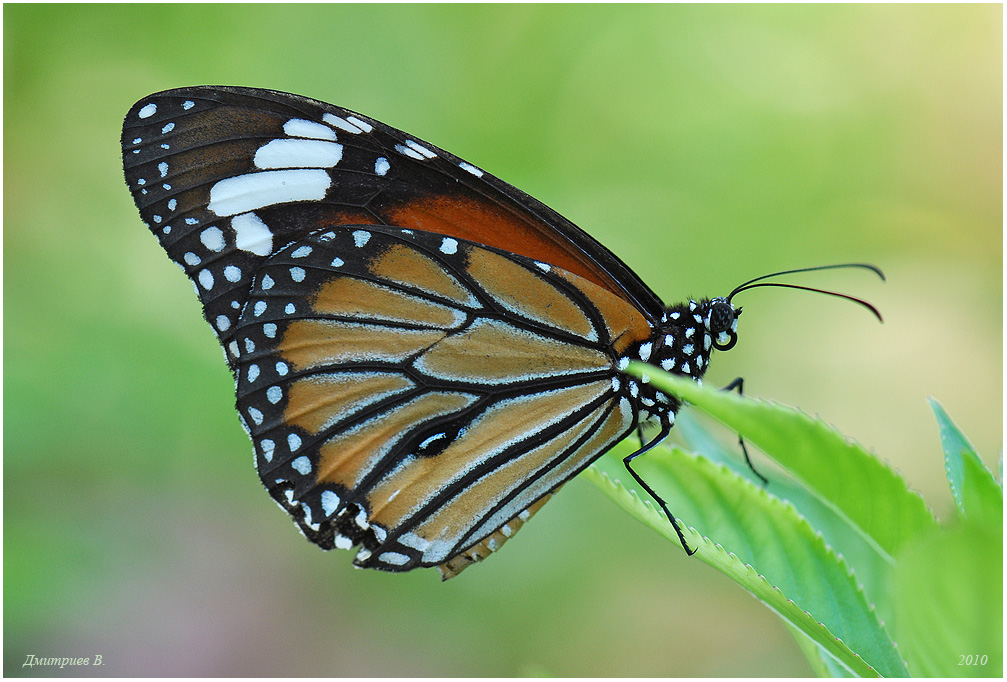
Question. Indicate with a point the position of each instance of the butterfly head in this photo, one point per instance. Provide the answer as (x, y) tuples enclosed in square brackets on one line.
[(721, 321), (683, 341)]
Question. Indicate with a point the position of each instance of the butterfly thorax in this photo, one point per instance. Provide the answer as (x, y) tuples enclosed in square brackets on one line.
[(681, 344)]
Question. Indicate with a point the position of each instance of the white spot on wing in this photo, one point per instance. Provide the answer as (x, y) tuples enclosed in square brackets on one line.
[(465, 166), (363, 125), (212, 238), (243, 193), (299, 127), (206, 279), (406, 151), (393, 558), (302, 465), (147, 111), (361, 237), (449, 245), (381, 166), (341, 123), (298, 154), (330, 502), (420, 148), (252, 235)]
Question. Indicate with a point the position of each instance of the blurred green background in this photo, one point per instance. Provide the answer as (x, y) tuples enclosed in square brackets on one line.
[(703, 144)]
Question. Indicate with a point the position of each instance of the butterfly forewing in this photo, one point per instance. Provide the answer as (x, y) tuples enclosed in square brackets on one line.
[(225, 177), (401, 398)]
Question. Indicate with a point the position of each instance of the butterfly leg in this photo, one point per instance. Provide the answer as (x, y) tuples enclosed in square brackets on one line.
[(627, 462), (739, 384)]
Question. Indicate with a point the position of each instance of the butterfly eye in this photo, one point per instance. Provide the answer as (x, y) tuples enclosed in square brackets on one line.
[(721, 324), (722, 316)]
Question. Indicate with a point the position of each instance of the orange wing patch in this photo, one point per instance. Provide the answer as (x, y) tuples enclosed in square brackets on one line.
[(318, 401), (312, 344), (494, 352), (491, 224), (527, 294), (357, 298), (402, 264), (625, 323), (479, 551), (606, 428)]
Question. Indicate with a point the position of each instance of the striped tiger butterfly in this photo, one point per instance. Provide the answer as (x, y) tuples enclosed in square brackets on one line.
[(423, 354)]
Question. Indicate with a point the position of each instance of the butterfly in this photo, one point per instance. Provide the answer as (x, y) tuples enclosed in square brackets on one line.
[(422, 353)]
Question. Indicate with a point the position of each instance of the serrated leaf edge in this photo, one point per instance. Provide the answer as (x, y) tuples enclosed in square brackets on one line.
[(662, 522)]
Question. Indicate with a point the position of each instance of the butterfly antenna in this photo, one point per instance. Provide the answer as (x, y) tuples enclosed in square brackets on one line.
[(758, 282)]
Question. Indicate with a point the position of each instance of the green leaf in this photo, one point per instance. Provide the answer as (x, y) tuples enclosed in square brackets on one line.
[(978, 496), (871, 567), (853, 483), (799, 576), (949, 602)]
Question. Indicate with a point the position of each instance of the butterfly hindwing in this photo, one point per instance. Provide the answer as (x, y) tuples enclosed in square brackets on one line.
[(412, 393)]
